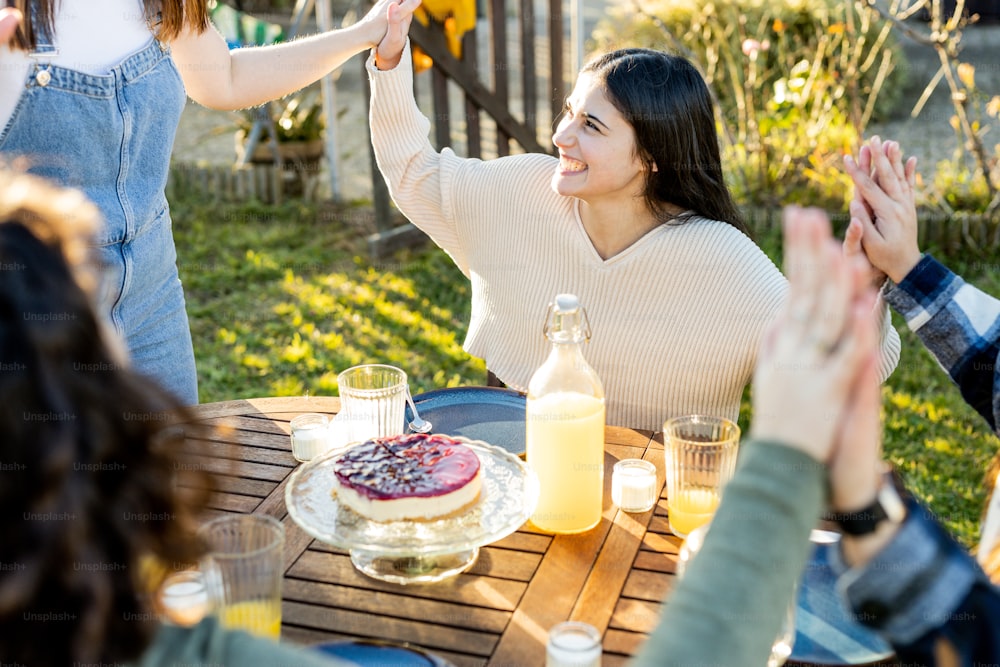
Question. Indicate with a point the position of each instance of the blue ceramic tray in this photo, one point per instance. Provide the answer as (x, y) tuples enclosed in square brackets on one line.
[(376, 652), (490, 414)]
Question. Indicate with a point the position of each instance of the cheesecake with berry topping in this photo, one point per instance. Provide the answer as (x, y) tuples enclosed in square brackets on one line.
[(413, 476)]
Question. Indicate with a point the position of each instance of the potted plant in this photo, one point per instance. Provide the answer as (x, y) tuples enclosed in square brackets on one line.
[(296, 124)]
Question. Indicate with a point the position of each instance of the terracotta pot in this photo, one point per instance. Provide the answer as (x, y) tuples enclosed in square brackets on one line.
[(292, 152)]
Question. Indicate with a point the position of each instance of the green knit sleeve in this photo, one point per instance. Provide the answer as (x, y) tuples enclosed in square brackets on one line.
[(729, 607)]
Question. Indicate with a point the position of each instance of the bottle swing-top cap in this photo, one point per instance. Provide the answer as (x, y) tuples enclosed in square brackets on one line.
[(563, 320)]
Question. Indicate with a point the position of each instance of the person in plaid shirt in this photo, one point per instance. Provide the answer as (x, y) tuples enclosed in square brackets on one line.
[(960, 326)]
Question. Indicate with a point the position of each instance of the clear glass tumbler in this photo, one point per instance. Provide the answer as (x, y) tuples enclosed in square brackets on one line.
[(700, 458), (243, 571), (373, 400)]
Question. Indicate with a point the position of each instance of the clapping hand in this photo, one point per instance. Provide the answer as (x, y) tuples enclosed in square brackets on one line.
[(390, 49), (822, 349), (883, 211), (384, 12)]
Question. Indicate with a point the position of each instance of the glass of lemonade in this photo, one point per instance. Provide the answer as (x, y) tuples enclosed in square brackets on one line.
[(700, 458), (243, 571)]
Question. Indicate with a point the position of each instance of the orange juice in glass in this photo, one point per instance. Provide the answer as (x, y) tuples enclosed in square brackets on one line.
[(700, 458), (258, 617)]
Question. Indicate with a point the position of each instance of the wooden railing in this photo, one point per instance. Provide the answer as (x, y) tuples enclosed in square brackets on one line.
[(507, 103)]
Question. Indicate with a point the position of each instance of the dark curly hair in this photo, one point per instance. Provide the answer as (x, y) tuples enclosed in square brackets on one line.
[(668, 105), (89, 467)]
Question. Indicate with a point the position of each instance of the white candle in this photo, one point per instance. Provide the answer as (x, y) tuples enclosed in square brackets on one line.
[(310, 436), (573, 644), (184, 599), (633, 485)]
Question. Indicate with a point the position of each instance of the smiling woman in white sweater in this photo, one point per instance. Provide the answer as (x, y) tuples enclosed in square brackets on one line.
[(633, 216)]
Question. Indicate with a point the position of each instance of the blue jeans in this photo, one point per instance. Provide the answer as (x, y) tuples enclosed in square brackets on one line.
[(111, 136)]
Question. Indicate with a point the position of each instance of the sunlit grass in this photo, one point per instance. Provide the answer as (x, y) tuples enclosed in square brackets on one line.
[(283, 298)]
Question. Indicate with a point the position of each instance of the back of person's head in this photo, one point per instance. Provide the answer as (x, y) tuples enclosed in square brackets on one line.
[(670, 108), (87, 482)]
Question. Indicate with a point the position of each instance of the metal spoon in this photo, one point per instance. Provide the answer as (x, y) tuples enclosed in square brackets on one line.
[(417, 425)]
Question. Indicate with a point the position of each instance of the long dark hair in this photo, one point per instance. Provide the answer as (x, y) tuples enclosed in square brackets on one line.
[(669, 106), (89, 451), (170, 18)]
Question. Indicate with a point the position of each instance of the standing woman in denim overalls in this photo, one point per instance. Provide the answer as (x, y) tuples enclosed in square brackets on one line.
[(91, 93)]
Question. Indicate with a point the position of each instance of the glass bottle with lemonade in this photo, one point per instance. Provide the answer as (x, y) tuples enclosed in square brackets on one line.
[(565, 426)]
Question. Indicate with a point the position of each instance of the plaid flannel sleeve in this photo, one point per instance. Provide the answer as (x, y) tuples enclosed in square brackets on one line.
[(922, 588), (960, 325)]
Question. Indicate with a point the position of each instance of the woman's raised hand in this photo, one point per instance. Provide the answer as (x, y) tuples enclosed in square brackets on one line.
[(380, 18), (821, 346), (390, 49)]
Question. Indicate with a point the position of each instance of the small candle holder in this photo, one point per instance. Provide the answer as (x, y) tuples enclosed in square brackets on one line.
[(310, 436), (633, 485), (184, 598), (573, 644)]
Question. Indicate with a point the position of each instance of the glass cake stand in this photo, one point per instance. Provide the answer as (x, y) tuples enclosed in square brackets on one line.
[(407, 552)]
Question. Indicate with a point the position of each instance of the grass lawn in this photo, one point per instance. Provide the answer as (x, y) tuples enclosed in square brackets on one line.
[(283, 298)]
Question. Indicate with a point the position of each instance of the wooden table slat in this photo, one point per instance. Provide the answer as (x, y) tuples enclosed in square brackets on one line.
[(242, 486), (233, 503), (506, 564), (265, 406), (551, 595), (596, 600), (614, 660), (635, 615), (273, 455), (489, 592), (279, 442), (646, 585), (664, 544), (524, 541), (658, 562), (248, 425), (396, 604), (258, 471), (360, 625), (620, 643)]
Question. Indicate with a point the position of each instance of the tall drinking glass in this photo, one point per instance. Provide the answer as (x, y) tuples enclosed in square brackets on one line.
[(373, 399), (243, 572), (700, 457)]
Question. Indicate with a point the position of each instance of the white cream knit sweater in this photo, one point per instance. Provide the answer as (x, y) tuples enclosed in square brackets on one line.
[(676, 318)]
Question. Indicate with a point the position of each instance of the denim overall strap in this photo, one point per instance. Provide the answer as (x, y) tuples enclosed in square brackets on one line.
[(111, 136), (44, 46)]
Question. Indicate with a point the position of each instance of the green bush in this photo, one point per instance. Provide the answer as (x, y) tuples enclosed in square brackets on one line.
[(796, 83)]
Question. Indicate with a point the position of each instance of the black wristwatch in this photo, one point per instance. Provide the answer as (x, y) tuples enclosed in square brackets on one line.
[(887, 506)]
